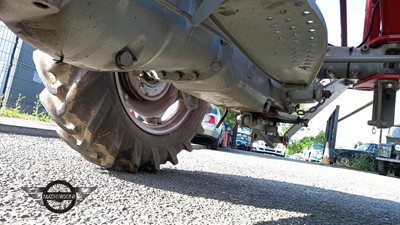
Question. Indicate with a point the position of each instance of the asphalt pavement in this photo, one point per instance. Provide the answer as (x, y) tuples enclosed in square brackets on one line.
[(206, 187)]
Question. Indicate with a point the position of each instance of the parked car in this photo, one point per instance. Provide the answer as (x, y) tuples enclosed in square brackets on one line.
[(243, 142), (212, 136), (261, 146), (345, 156), (314, 153)]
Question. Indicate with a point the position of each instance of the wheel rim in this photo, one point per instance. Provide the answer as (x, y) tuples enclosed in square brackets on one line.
[(154, 106), (344, 161)]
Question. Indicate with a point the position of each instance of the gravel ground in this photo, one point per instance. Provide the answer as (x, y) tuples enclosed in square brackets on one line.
[(206, 187)]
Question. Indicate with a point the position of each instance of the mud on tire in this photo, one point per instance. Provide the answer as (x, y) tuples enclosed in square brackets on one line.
[(92, 119)]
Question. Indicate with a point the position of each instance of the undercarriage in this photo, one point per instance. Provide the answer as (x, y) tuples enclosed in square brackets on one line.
[(144, 70)]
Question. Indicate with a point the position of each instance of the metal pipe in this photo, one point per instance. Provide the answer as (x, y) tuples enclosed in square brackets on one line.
[(362, 59), (355, 111), (343, 21), (365, 54), (287, 117)]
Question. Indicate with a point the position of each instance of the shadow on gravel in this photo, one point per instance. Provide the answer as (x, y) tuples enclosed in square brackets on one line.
[(261, 155), (321, 206)]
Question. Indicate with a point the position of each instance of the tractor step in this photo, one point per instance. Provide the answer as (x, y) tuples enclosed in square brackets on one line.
[(286, 39)]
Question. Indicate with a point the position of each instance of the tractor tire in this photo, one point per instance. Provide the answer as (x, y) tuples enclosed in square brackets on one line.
[(396, 171), (98, 116), (383, 167)]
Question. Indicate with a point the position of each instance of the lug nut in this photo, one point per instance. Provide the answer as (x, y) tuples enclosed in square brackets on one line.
[(126, 97)]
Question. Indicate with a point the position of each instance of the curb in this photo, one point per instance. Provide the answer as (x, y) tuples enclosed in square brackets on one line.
[(28, 127)]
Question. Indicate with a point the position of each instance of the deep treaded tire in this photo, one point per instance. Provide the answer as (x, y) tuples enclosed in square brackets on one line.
[(383, 167), (93, 121), (396, 171)]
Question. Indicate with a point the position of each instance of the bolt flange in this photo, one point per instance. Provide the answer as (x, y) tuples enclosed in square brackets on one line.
[(124, 59)]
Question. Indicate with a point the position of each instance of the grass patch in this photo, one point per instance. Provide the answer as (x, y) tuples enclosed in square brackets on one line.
[(16, 112), (363, 162)]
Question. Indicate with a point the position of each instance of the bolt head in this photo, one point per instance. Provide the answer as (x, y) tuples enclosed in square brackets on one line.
[(327, 94), (162, 74), (216, 66), (250, 75), (192, 76), (125, 59), (174, 75), (365, 48)]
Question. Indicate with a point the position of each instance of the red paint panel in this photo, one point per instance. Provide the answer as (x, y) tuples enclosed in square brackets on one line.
[(369, 83)]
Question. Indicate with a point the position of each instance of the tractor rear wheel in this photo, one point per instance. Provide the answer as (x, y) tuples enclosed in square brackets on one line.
[(127, 121)]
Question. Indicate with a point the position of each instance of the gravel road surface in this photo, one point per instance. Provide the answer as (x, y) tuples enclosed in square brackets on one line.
[(206, 187)]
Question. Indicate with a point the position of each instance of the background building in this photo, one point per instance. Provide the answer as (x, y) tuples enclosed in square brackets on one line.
[(18, 76)]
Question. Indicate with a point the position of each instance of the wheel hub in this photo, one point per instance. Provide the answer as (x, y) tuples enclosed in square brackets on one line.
[(146, 86), (153, 105)]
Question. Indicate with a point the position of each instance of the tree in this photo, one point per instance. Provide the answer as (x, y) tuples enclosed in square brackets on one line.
[(305, 142), (283, 128)]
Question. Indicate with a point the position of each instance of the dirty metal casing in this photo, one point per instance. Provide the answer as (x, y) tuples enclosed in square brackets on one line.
[(228, 86), (92, 34), (286, 39), (128, 35)]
